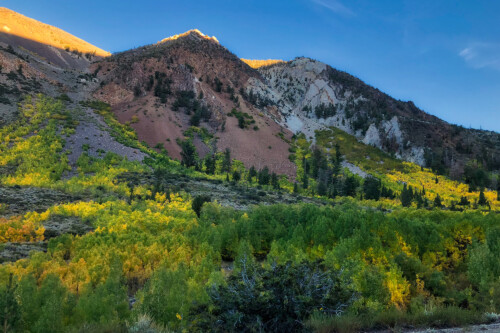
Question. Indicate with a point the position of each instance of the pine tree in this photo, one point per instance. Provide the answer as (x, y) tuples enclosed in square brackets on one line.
[(252, 173), (188, 153), (437, 201), (210, 164), (305, 181), (406, 197), (236, 176), (322, 188), (226, 162), (371, 188), (295, 188), (482, 199), (350, 185), (275, 181), (264, 176)]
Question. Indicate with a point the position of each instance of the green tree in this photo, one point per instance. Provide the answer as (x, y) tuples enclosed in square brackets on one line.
[(236, 176), (264, 176), (52, 299), (406, 196), (198, 202), (305, 181), (188, 153), (322, 188), (252, 173), (226, 162), (350, 185), (275, 181), (241, 122), (371, 188), (482, 199), (437, 201), (10, 313), (108, 302), (165, 296), (210, 164)]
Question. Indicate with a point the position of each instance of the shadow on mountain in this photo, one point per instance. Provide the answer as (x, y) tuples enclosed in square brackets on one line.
[(58, 57)]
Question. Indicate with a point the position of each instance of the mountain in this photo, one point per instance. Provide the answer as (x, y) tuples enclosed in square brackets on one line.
[(165, 88), (298, 96), (251, 107), (102, 230), (311, 95)]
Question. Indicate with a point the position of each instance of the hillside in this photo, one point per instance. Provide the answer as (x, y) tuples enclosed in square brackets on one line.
[(178, 188), (165, 88), (312, 95), (43, 39)]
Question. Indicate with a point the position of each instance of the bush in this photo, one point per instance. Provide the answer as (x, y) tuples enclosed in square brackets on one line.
[(277, 299)]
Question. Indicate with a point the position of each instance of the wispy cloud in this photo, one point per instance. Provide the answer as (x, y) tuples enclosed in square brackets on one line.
[(335, 6), (482, 55)]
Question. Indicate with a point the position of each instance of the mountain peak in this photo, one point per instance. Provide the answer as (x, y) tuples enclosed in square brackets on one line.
[(193, 33)]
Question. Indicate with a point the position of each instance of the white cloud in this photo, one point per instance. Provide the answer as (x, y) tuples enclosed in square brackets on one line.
[(482, 55), (335, 6)]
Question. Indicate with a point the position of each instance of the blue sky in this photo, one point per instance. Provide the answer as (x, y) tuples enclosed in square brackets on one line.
[(443, 55)]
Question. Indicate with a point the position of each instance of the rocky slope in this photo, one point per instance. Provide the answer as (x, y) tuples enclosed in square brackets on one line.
[(251, 107), (161, 88), (311, 95), (40, 64)]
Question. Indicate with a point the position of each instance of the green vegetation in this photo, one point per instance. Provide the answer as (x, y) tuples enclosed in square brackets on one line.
[(244, 119), (160, 260)]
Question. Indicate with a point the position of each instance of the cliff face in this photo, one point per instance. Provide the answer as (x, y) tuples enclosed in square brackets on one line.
[(311, 95)]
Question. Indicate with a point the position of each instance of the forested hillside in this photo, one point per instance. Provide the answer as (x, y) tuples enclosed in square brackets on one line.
[(151, 256), (174, 188)]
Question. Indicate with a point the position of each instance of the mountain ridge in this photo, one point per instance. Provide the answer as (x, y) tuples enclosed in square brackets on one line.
[(17, 24), (280, 99)]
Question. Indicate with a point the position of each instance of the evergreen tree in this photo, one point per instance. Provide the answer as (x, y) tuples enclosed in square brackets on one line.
[(295, 188), (371, 188), (252, 173), (321, 188), (275, 181), (464, 201), (350, 185), (305, 166), (188, 153), (198, 203), (482, 199), (305, 181), (236, 176), (318, 162), (264, 176), (226, 162), (406, 196), (210, 164), (437, 201)]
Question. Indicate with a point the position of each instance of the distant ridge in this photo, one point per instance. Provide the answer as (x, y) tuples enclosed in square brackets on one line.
[(12, 23), (261, 63)]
